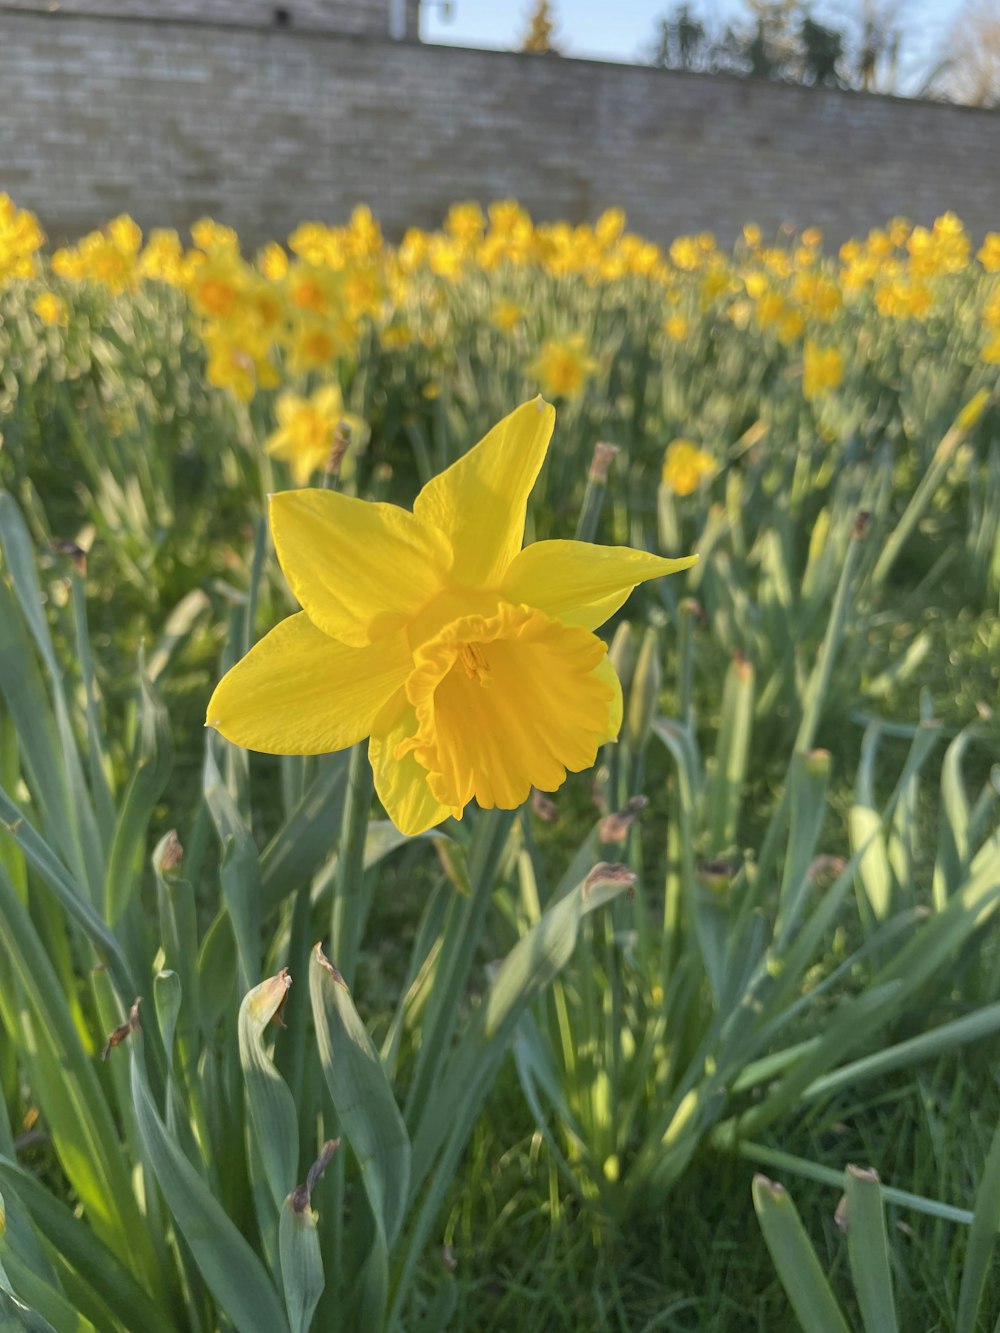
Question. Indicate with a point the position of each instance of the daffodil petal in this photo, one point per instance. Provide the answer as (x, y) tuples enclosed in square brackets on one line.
[(606, 672), (360, 570), (479, 502), (581, 584), (507, 702), (401, 782), (299, 692)]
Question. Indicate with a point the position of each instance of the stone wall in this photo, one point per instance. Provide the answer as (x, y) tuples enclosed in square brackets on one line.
[(369, 17), (262, 128)]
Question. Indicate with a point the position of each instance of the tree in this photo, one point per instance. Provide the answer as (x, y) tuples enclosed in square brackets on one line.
[(783, 40), (874, 55), (971, 69), (541, 27), (822, 51)]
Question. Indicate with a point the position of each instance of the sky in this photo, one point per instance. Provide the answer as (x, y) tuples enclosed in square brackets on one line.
[(623, 29)]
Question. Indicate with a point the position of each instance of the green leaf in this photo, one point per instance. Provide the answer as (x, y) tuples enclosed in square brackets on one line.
[(795, 1260), (361, 1093), (299, 1249), (65, 1082), (239, 873), (272, 1108), (982, 1241), (372, 1123), (151, 767), (868, 1250), (77, 1245), (724, 795), (232, 1272)]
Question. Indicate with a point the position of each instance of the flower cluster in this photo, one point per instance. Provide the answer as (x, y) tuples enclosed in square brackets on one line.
[(295, 316), (20, 240)]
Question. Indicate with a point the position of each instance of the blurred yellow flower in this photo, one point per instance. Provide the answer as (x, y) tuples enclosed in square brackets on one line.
[(314, 343), (684, 465), (686, 253), (822, 369), (563, 366), (162, 257), (676, 328), (506, 315), (397, 336), (308, 429), (272, 260), (212, 236), (51, 309), (20, 238), (989, 252), (465, 223), (238, 358), (478, 675), (109, 256)]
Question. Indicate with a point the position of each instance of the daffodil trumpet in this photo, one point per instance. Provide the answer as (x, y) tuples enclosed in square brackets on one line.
[(470, 663)]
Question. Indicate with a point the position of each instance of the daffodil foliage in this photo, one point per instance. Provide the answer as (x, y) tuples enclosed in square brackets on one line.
[(471, 663)]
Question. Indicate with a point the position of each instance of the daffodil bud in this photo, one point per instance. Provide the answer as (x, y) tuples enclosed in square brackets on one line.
[(622, 652), (168, 853), (266, 1001), (645, 692)]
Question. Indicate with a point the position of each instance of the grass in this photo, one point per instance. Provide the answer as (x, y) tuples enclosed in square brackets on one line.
[(530, 1259)]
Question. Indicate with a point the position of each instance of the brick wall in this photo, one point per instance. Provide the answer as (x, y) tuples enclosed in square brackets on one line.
[(263, 128), (370, 17)]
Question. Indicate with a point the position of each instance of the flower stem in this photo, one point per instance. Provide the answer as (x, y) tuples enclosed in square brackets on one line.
[(349, 908)]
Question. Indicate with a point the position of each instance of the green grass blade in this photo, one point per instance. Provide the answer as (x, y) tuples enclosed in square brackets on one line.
[(826, 1175), (868, 1251), (726, 782), (982, 1242), (71, 897), (929, 1045), (303, 841), (151, 767), (239, 872), (795, 1260), (808, 780)]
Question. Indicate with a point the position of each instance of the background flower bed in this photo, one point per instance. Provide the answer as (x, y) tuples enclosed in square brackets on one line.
[(141, 384)]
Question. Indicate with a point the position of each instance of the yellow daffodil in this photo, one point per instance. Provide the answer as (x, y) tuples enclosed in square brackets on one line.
[(470, 663), (162, 257), (563, 366), (684, 465), (307, 430), (506, 315), (108, 257), (989, 252), (51, 309), (822, 369), (20, 238)]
